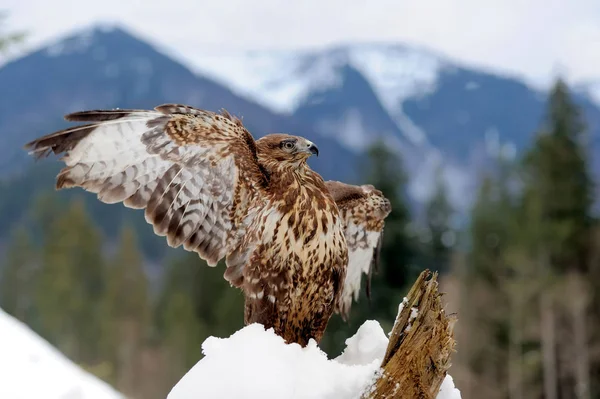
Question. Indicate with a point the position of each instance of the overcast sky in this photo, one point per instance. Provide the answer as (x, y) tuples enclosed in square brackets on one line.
[(533, 38)]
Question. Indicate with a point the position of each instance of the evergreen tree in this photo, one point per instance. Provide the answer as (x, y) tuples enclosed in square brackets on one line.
[(71, 286), (126, 313), (44, 210), (180, 326), (492, 307), (18, 277), (490, 231), (440, 235), (519, 295), (557, 175), (559, 188)]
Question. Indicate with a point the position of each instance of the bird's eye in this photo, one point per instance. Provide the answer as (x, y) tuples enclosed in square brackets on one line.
[(289, 145)]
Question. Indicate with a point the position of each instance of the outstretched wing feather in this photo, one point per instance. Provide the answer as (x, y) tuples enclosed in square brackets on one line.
[(194, 172)]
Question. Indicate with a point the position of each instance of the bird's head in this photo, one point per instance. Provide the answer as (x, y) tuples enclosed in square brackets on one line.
[(277, 150)]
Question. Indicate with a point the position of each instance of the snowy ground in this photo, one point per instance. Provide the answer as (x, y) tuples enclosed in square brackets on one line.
[(254, 363), (30, 368)]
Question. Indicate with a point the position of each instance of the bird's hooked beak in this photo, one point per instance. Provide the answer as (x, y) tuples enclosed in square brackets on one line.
[(311, 148)]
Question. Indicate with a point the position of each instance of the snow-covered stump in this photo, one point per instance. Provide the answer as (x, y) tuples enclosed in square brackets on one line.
[(417, 358)]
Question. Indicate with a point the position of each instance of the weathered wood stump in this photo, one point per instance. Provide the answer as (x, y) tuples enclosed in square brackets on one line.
[(421, 342)]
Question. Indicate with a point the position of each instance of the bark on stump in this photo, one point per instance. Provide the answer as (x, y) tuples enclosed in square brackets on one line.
[(418, 353)]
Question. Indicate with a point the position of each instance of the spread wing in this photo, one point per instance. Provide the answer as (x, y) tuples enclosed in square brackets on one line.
[(194, 172), (363, 210)]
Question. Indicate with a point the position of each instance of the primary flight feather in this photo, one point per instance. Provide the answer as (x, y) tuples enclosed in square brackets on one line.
[(297, 246)]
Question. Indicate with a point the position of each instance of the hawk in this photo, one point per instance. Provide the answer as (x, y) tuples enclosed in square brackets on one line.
[(294, 244)]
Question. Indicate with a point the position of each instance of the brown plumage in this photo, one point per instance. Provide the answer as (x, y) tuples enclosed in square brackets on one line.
[(363, 210), (205, 183)]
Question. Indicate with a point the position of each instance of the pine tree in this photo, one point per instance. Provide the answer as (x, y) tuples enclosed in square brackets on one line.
[(490, 231), (71, 285), (484, 295), (560, 186), (441, 237), (45, 210), (178, 321), (126, 313), (557, 174), (17, 280), (498, 291)]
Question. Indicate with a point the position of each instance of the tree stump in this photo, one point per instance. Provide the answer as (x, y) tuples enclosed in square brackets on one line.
[(421, 342)]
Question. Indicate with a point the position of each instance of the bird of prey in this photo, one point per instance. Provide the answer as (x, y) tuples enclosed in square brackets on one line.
[(294, 244)]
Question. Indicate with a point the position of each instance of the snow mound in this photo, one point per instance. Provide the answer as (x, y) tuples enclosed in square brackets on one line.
[(254, 363), (368, 344), (31, 368)]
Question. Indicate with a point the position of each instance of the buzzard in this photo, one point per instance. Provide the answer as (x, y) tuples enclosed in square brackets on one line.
[(294, 244)]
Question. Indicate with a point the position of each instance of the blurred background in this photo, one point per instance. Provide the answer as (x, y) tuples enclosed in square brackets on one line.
[(479, 120)]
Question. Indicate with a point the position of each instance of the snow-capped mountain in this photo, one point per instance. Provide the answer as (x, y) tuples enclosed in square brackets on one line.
[(31, 368), (283, 80)]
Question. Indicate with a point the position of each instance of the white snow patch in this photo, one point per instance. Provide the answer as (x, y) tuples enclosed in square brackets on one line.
[(400, 308), (492, 141), (31, 368), (277, 80), (509, 151), (414, 312), (472, 86), (80, 42), (280, 80), (397, 73), (368, 344), (413, 133), (349, 130), (447, 390), (595, 92), (592, 90), (254, 363), (423, 166), (73, 45)]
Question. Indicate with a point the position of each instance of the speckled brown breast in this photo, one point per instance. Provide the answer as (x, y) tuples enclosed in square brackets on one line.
[(294, 277)]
